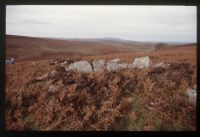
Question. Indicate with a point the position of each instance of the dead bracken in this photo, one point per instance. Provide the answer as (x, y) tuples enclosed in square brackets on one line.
[(71, 100)]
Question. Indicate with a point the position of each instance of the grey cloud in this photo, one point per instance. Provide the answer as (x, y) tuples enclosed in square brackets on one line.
[(153, 23), (34, 22)]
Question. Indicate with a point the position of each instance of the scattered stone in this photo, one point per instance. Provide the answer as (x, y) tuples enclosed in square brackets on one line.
[(115, 65), (159, 65), (167, 64), (99, 65), (131, 66), (81, 66), (54, 73), (64, 64), (123, 65), (117, 60), (34, 63), (71, 66), (152, 103), (52, 89), (143, 62), (67, 69), (192, 95), (43, 77), (112, 66)]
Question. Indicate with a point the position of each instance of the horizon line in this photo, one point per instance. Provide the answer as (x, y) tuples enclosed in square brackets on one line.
[(99, 38)]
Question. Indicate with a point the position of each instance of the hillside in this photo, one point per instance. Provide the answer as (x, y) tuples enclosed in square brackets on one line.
[(30, 48), (129, 99)]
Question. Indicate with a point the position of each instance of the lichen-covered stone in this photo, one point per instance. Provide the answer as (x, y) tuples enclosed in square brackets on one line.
[(99, 65), (143, 62)]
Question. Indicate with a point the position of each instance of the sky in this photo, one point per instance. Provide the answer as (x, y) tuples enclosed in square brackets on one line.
[(138, 23)]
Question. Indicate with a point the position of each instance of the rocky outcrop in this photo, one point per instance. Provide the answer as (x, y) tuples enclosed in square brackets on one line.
[(81, 66), (99, 65), (143, 62), (192, 95), (112, 66), (123, 65), (117, 60), (115, 64)]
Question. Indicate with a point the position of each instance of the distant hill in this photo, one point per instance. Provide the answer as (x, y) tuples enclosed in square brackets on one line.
[(106, 39), (33, 48)]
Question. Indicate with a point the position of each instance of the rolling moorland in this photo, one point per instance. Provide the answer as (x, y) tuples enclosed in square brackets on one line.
[(30, 48), (130, 99)]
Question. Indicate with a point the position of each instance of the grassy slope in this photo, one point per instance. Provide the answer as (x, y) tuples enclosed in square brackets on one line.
[(28, 48)]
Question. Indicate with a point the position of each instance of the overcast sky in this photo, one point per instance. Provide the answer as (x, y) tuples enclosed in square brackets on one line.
[(139, 23)]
